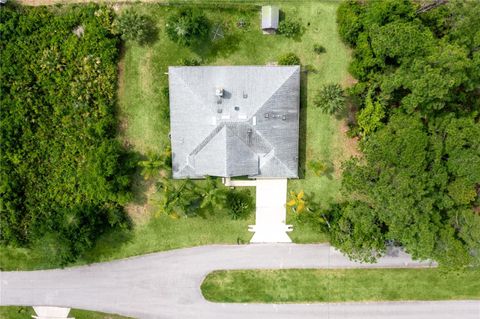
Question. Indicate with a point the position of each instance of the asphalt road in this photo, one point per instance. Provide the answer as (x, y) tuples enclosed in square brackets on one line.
[(167, 285)]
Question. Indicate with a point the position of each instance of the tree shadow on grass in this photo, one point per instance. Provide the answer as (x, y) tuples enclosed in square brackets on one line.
[(107, 245), (210, 50)]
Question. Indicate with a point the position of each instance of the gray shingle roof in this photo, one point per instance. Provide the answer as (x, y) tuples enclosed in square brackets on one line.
[(252, 130), (270, 16)]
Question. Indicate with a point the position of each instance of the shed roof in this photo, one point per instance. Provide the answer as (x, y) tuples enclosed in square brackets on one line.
[(270, 16), (252, 130)]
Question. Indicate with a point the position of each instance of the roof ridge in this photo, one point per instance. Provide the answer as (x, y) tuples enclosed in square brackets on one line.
[(191, 91), (274, 92), (282, 163), (278, 89), (207, 139)]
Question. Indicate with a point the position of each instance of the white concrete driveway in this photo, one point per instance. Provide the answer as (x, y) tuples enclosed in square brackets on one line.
[(270, 216)]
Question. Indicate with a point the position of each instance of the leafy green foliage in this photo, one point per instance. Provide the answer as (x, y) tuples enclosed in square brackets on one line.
[(319, 168), (319, 49), (63, 174), (289, 28), (369, 118), (187, 26), (190, 62), (417, 184), (239, 204), (135, 27), (416, 189), (187, 199), (155, 162), (349, 21), (330, 99), (418, 62), (289, 59)]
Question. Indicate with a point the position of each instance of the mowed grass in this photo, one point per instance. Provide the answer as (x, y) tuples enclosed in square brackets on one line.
[(159, 234), (13, 312), (143, 105), (307, 285)]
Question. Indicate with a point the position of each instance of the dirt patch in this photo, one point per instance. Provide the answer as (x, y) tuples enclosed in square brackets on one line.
[(348, 147), (146, 73), (349, 81), (350, 144), (141, 212)]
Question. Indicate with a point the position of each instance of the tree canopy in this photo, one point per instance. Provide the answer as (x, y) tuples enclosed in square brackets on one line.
[(417, 184)]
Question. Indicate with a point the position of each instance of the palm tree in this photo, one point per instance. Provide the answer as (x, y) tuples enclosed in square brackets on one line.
[(212, 196), (155, 163)]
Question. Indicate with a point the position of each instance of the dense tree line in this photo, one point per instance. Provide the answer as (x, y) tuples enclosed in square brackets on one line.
[(418, 182), (63, 176)]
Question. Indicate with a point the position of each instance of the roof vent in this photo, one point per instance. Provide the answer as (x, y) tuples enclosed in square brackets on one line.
[(245, 95), (237, 108), (266, 115), (219, 92)]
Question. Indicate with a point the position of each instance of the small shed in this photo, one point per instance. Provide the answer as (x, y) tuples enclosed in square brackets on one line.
[(270, 16)]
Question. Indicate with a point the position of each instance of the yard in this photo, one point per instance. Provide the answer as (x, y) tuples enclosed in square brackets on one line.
[(143, 105), (144, 125)]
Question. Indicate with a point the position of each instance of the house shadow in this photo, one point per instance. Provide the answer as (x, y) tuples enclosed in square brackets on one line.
[(302, 147)]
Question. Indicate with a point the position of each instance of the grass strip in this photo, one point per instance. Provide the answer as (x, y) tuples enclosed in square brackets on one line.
[(340, 285)]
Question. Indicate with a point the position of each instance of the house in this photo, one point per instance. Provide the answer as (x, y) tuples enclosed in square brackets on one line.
[(234, 121), (270, 17)]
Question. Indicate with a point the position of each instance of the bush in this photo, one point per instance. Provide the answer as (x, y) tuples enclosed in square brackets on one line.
[(187, 26), (289, 28), (135, 27), (289, 59), (319, 49), (190, 62), (239, 204), (349, 21), (319, 168), (330, 99), (370, 117)]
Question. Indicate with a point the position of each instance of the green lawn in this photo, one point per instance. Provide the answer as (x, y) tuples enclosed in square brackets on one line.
[(27, 312), (160, 233), (307, 285)]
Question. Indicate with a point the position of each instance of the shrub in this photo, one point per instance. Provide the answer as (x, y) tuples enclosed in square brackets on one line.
[(349, 21), (319, 168), (319, 49), (289, 59), (187, 26), (330, 99), (135, 27), (190, 62), (369, 119), (239, 204), (289, 28)]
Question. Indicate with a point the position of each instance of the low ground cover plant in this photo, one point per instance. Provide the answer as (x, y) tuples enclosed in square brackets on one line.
[(289, 59)]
